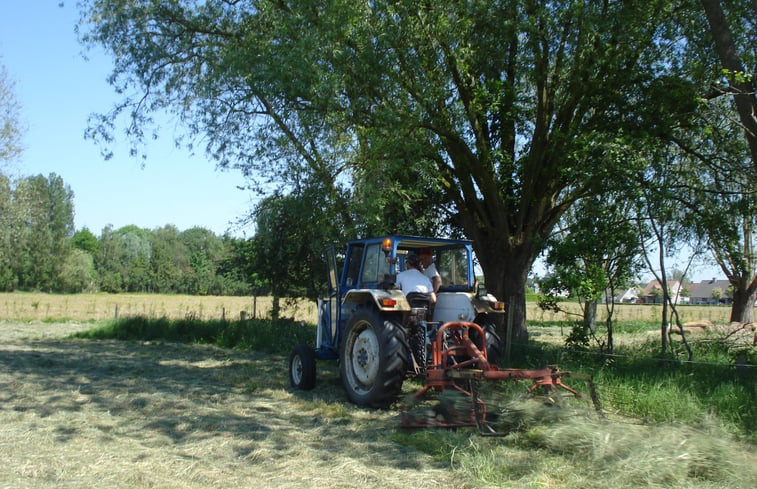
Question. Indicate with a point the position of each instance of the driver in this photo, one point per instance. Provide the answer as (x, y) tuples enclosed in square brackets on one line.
[(413, 279), (429, 269)]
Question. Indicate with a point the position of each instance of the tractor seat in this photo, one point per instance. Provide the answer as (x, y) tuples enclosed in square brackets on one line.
[(419, 299)]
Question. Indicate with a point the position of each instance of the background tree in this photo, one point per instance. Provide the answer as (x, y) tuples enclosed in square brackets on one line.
[(665, 227), (719, 148), (84, 240), (592, 258), (734, 37), (7, 235), (110, 261), (11, 133), (292, 233), (722, 54), (205, 250), (11, 129), (78, 272), (507, 105), (45, 219)]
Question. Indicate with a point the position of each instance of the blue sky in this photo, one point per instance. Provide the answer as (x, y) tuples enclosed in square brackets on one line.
[(58, 90)]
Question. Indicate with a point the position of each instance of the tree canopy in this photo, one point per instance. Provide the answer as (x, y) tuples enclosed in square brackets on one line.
[(508, 111), (11, 128)]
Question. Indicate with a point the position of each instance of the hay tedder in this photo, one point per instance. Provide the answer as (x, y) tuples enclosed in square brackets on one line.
[(459, 366), (380, 337)]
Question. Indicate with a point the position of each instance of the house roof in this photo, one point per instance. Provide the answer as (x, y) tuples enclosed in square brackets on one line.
[(704, 288), (648, 289)]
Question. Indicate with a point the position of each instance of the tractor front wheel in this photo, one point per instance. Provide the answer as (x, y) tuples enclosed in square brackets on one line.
[(302, 368), (373, 359)]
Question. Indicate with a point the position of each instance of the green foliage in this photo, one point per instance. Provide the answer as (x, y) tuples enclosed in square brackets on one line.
[(286, 253), (579, 337), (165, 260), (37, 224), (486, 118), (78, 272), (11, 129), (84, 240)]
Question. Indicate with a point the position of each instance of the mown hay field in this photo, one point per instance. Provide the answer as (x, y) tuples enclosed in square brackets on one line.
[(632, 312), (130, 414), (88, 307), (136, 414)]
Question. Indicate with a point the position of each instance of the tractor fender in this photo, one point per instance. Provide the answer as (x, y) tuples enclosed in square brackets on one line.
[(392, 300)]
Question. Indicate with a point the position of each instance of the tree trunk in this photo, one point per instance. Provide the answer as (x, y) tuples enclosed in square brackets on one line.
[(610, 340), (743, 91), (276, 307), (505, 272), (590, 315), (742, 310)]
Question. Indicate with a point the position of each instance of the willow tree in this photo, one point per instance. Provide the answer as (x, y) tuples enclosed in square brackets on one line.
[(717, 179), (507, 104)]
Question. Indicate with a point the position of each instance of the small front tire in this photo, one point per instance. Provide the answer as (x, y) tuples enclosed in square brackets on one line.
[(302, 367)]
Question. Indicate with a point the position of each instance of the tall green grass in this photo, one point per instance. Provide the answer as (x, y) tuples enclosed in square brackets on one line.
[(266, 336), (638, 383)]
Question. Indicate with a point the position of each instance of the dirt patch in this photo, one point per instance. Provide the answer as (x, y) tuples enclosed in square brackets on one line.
[(81, 413)]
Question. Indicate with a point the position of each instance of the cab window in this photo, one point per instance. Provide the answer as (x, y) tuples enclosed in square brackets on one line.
[(353, 265), (375, 265), (453, 267)]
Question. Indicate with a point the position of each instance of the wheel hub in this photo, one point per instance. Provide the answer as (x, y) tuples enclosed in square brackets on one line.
[(297, 369), (365, 358)]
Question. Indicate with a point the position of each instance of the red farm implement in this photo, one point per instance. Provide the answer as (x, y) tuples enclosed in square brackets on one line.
[(458, 373)]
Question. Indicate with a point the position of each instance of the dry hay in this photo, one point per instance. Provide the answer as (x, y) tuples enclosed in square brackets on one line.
[(84, 307), (82, 414)]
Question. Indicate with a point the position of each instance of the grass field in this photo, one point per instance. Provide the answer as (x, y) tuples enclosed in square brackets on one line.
[(82, 413), (151, 402), (93, 307), (125, 414), (170, 396)]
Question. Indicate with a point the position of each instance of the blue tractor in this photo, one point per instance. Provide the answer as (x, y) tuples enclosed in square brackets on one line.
[(379, 336)]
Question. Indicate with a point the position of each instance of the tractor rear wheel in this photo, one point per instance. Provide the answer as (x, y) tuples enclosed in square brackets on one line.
[(373, 359), (494, 345), (302, 368)]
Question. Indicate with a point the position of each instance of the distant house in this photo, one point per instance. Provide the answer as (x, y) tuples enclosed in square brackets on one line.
[(629, 296), (711, 291), (652, 292)]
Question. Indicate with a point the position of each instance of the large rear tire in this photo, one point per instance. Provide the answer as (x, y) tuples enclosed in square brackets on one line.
[(494, 344), (373, 360)]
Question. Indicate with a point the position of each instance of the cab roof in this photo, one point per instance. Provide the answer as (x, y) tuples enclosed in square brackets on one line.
[(406, 241)]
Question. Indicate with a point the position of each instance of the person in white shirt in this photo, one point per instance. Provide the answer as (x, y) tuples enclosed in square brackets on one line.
[(429, 269), (413, 279)]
